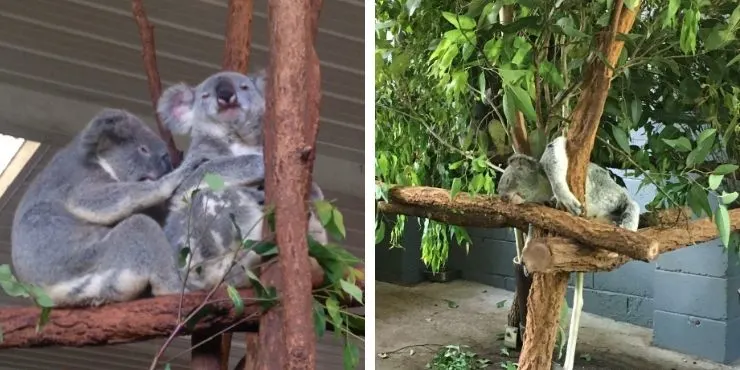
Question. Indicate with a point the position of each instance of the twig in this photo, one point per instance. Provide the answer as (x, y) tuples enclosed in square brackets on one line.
[(148, 54)]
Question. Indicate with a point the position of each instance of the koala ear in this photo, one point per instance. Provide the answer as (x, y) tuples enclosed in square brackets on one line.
[(260, 80), (105, 129), (175, 108)]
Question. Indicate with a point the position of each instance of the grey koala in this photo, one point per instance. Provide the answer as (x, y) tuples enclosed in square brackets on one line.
[(223, 116), (528, 180), (79, 231)]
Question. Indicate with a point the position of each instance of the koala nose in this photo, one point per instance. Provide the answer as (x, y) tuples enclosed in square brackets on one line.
[(225, 93)]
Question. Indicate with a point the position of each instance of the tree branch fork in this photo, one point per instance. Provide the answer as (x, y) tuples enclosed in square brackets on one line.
[(583, 245)]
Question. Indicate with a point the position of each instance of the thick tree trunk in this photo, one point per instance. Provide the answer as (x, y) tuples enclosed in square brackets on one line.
[(548, 290), (292, 113), (491, 211)]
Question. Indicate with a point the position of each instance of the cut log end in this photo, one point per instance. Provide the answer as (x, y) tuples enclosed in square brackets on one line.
[(536, 256)]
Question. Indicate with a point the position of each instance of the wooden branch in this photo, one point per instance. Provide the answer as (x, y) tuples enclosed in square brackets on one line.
[(292, 117), (149, 55), (561, 254), (133, 321), (587, 113), (489, 211), (238, 36)]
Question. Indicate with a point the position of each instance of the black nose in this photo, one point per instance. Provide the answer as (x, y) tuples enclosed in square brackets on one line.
[(225, 92)]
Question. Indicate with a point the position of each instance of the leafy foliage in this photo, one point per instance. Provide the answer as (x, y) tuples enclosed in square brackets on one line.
[(452, 78), (14, 288), (456, 357)]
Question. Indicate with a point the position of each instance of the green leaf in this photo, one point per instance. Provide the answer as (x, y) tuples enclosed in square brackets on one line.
[(727, 198), (725, 169), (40, 296), (214, 181), (722, 220), (43, 318), (319, 318), (681, 144), (351, 289), (262, 247), (482, 86), (706, 135), (567, 25), (715, 180), (500, 304), (351, 355), (704, 145), (324, 211), (478, 182), (523, 102), (621, 137), (167, 366), (339, 223), (5, 273), (332, 307), (236, 299), (380, 232), (636, 111), (698, 200), (456, 186), (492, 49), (460, 22)]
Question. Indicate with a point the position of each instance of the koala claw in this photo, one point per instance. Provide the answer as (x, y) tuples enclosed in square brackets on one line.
[(573, 206)]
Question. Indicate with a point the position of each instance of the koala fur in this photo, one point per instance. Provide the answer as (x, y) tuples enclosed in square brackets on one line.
[(223, 115), (528, 180), (79, 231)]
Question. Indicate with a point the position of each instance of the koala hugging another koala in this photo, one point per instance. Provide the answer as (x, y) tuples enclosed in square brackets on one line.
[(527, 180), (80, 231), (223, 116)]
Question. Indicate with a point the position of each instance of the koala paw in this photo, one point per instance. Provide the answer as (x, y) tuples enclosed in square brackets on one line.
[(572, 205)]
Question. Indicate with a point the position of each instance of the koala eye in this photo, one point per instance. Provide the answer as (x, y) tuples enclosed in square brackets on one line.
[(205, 95), (144, 150), (243, 86)]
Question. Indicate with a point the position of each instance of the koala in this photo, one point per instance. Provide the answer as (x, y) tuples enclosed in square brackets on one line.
[(224, 117), (80, 232), (528, 180)]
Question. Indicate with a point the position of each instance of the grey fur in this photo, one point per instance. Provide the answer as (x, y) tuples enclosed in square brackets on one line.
[(232, 144), (79, 231), (528, 180)]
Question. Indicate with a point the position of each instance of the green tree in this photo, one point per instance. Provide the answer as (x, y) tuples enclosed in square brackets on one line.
[(453, 76)]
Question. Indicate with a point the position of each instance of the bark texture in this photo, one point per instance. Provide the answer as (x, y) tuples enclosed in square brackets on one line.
[(489, 211), (547, 291), (132, 321), (238, 36), (149, 55), (290, 140)]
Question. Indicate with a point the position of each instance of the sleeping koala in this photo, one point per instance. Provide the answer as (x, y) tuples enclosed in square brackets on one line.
[(528, 180), (79, 231), (223, 116)]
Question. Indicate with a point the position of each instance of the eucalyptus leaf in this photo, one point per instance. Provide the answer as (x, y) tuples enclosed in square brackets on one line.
[(722, 220)]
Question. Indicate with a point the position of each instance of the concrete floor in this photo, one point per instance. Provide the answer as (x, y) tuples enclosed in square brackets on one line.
[(412, 322)]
